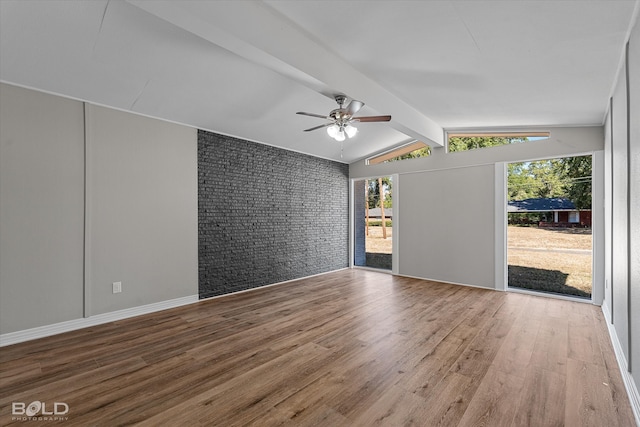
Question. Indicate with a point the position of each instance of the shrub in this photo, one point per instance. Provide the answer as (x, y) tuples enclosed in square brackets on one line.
[(374, 223)]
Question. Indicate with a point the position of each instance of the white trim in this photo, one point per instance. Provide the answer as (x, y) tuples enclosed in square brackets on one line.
[(606, 310), (627, 378), (352, 231), (377, 270), (597, 228), (500, 224), (389, 150), (88, 201), (72, 325), (449, 283), (395, 237), (550, 295)]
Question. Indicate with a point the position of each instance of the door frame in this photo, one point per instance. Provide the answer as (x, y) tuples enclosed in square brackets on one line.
[(597, 228)]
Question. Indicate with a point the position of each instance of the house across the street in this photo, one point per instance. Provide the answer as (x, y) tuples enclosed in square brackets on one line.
[(375, 213), (555, 212)]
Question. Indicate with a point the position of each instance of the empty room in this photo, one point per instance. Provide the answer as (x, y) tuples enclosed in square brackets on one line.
[(327, 213)]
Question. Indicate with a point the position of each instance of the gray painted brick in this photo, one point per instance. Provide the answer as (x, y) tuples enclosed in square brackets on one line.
[(266, 215)]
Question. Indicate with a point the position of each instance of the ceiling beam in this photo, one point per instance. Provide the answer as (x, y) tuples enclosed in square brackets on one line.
[(255, 31)]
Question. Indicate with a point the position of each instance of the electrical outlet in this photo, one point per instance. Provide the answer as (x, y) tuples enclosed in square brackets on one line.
[(117, 287)]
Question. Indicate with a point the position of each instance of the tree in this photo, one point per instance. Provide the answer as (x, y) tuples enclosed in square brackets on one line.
[(576, 174), (568, 177), (465, 143), (420, 152), (374, 193), (529, 180)]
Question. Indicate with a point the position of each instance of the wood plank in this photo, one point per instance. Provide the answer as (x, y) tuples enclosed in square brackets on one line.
[(449, 399), (589, 398), (542, 399), (514, 355), (552, 345), (396, 407), (613, 377), (352, 347), (245, 397), (495, 401)]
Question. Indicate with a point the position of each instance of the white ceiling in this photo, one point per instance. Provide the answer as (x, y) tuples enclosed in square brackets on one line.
[(244, 68)]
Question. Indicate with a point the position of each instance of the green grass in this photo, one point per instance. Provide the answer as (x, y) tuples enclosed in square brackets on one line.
[(388, 223)]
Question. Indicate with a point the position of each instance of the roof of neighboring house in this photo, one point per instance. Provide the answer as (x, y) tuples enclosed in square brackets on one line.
[(541, 205), (375, 212)]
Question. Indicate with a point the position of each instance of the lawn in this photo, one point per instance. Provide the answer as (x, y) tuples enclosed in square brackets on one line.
[(550, 260), (549, 238), (376, 244), (544, 259)]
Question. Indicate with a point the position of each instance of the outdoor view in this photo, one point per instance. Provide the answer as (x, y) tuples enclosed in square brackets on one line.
[(549, 226), (378, 222), (549, 240)]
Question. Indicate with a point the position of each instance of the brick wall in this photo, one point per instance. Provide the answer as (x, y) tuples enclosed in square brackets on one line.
[(266, 215)]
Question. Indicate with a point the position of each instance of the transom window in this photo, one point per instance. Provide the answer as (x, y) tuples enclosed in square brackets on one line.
[(465, 141), (411, 150)]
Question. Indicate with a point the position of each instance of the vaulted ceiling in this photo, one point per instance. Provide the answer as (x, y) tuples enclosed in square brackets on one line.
[(244, 68)]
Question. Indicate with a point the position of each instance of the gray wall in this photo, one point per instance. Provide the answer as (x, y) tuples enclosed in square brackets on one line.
[(62, 247), (623, 201), (619, 217), (267, 215), (142, 223), (41, 209), (622, 204), (446, 232)]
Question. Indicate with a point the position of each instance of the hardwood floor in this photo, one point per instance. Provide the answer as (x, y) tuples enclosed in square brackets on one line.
[(350, 348)]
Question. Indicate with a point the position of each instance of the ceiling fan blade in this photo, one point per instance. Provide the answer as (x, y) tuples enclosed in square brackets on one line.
[(372, 119), (320, 116), (354, 106), (318, 127)]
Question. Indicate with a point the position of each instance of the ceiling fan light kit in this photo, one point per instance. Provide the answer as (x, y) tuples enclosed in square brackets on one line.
[(341, 120), (338, 132), (350, 130)]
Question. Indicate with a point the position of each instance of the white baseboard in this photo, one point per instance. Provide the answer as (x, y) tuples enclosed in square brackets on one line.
[(550, 295), (448, 282), (72, 325), (606, 311), (629, 383)]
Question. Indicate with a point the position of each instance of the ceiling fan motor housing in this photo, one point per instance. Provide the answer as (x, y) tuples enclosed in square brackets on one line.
[(342, 117)]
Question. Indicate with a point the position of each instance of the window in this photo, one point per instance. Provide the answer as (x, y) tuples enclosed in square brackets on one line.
[(549, 235), (574, 217), (411, 150), (466, 141)]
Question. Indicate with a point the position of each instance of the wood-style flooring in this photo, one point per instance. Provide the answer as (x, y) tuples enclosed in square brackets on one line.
[(349, 348)]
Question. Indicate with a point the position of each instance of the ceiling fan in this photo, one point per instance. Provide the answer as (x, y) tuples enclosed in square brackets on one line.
[(342, 119)]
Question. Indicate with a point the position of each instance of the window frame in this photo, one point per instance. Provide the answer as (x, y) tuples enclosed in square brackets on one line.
[(395, 152), (488, 134)]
